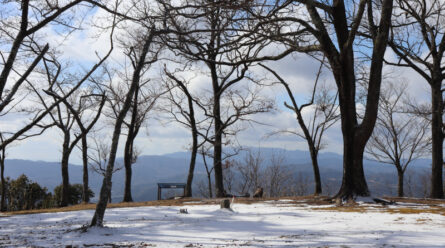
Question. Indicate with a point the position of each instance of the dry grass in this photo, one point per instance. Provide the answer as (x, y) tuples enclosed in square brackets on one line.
[(78, 207), (317, 200), (409, 210), (427, 205), (398, 210), (418, 206)]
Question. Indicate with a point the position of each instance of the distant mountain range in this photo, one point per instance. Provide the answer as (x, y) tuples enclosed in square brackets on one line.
[(149, 170)]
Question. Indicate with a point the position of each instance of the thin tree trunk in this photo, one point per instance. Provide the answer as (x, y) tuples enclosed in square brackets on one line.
[(316, 170), (209, 179), (127, 191), (217, 150), (129, 147), (2, 164), (400, 191), (128, 153), (437, 140), (65, 173), (85, 195), (188, 188), (307, 135)]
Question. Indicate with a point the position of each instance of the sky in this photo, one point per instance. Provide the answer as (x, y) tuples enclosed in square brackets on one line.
[(162, 136)]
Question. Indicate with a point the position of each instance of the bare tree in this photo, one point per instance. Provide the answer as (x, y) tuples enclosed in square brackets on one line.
[(278, 176), (84, 148), (331, 28), (324, 116), (213, 34), (65, 117), (142, 60), (300, 185), (397, 139), (144, 100), (24, 52), (186, 117), (250, 171), (418, 40)]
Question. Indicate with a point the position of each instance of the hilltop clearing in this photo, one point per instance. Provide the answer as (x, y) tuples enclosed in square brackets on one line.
[(272, 222)]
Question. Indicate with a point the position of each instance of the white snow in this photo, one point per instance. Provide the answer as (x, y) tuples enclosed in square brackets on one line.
[(270, 224)]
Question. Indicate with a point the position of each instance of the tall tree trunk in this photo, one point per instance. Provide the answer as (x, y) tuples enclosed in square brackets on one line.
[(129, 147), (354, 181), (105, 190), (217, 157), (127, 191), (400, 192), (2, 164), (209, 180), (109, 193), (316, 170), (188, 188), (65, 174), (217, 145), (128, 157), (85, 195), (437, 140)]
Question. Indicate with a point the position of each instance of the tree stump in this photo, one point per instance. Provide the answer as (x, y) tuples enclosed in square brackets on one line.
[(225, 203)]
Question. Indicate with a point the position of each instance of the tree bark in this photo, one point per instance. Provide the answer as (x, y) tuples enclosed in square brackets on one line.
[(354, 181), (316, 170), (188, 188), (2, 164), (217, 157), (127, 191), (209, 180), (400, 191), (85, 186), (65, 173), (437, 140), (128, 150), (217, 144)]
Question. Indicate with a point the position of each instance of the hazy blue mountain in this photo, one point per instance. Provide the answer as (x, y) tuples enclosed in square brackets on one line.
[(173, 167)]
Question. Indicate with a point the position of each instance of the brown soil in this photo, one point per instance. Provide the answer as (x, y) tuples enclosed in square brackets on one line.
[(434, 206)]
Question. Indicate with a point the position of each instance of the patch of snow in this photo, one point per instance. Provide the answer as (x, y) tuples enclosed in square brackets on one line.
[(256, 225)]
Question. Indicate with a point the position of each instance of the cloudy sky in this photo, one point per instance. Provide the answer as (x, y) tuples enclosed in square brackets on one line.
[(162, 136)]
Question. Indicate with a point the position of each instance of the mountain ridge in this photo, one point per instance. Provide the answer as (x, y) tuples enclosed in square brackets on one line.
[(173, 167)]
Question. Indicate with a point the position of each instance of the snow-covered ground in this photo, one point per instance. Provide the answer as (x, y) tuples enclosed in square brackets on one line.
[(268, 224)]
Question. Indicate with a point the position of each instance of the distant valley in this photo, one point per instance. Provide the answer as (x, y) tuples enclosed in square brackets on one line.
[(173, 167)]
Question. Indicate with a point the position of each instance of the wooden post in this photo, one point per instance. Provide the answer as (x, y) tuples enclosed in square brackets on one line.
[(159, 193)]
